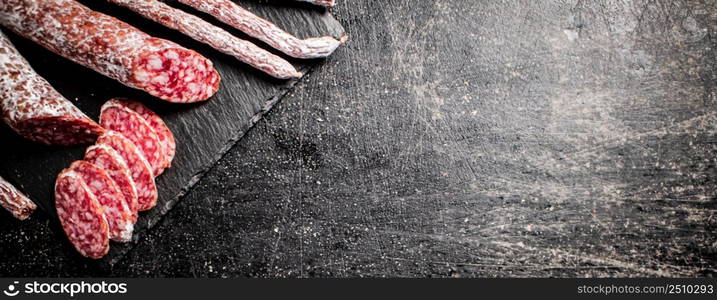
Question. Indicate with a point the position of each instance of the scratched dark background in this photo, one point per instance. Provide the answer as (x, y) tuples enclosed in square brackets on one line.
[(460, 138)]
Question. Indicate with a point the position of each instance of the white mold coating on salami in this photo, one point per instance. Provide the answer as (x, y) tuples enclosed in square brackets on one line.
[(108, 159), (214, 36), (236, 16), (15, 201), (327, 3), (81, 215), (34, 109), (140, 170), (113, 48)]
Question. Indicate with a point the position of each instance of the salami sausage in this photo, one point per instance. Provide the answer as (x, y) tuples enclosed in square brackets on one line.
[(109, 160), (15, 201), (81, 215), (140, 170), (117, 117), (113, 48), (35, 110), (327, 3), (166, 138), (211, 35), (110, 197), (236, 16)]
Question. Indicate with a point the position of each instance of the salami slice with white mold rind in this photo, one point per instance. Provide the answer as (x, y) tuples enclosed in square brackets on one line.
[(166, 138), (110, 197), (139, 168), (117, 117), (108, 159), (81, 215)]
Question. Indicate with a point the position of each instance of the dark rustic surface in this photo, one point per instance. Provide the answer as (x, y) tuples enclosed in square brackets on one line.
[(460, 138)]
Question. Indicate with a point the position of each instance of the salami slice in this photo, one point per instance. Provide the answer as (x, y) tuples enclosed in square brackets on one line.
[(15, 201), (110, 197), (81, 215), (211, 35), (113, 48), (166, 138), (140, 169), (236, 16), (117, 117), (35, 110), (109, 160)]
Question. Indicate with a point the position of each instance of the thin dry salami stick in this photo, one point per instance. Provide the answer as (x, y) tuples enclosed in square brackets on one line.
[(236, 16), (327, 3), (113, 48), (211, 35), (15, 201), (35, 110)]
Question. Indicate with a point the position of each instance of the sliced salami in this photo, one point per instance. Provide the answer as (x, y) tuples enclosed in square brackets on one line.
[(140, 169), (166, 138), (236, 16), (15, 201), (113, 48), (81, 215), (211, 35), (110, 197), (109, 160), (117, 117), (35, 110)]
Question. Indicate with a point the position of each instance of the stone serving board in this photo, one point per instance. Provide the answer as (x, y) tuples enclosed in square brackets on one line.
[(204, 132)]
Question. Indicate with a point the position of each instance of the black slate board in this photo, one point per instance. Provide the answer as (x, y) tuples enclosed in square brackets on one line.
[(204, 132)]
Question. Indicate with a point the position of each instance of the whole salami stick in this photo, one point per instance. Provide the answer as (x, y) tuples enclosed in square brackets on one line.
[(211, 35), (236, 16), (14, 201), (327, 3), (35, 110), (113, 48)]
